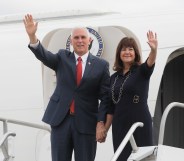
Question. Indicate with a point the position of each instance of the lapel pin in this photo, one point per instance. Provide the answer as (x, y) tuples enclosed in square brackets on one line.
[(89, 63)]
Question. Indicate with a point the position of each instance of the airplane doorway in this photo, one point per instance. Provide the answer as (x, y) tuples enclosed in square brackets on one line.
[(171, 90), (58, 39)]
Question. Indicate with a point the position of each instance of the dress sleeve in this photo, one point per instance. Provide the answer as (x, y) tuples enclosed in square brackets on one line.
[(146, 70), (111, 107)]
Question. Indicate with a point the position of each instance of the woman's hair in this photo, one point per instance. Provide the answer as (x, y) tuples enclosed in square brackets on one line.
[(124, 43)]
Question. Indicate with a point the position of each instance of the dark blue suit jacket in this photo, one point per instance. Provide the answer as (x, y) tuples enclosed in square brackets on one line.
[(91, 96)]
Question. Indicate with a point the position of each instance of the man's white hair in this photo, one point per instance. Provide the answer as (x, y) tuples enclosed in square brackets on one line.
[(76, 28)]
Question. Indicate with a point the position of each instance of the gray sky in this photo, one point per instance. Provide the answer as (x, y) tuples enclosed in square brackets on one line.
[(8, 7)]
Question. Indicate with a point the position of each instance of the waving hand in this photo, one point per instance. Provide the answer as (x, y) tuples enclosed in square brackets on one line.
[(31, 27), (153, 43)]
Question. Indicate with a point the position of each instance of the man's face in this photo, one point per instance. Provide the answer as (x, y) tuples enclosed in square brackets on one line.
[(80, 41)]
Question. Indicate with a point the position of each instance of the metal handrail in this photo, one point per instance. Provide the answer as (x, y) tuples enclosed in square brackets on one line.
[(5, 136), (3, 146), (4, 141), (164, 117), (129, 136), (23, 123)]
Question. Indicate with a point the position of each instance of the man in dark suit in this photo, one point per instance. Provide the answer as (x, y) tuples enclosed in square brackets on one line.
[(74, 111)]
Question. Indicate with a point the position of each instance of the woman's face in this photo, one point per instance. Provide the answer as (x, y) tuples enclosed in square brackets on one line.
[(127, 55)]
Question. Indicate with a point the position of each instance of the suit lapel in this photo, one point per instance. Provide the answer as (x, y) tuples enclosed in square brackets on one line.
[(89, 65)]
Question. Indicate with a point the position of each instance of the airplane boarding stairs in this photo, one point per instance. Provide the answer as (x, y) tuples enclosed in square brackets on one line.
[(4, 155), (6, 139), (149, 153), (152, 153)]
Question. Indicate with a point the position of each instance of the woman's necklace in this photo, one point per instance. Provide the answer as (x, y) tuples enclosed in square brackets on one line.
[(121, 88)]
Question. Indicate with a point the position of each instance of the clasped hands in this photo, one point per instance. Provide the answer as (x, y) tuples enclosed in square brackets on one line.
[(101, 132)]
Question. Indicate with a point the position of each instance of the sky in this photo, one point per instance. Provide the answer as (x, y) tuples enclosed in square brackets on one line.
[(9, 7)]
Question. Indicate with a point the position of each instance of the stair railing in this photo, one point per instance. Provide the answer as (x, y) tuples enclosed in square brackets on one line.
[(129, 137), (4, 140)]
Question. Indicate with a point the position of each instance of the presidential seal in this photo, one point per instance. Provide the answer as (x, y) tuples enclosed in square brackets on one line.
[(96, 46)]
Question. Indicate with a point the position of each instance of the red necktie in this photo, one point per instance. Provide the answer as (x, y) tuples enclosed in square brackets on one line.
[(79, 76), (79, 70)]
